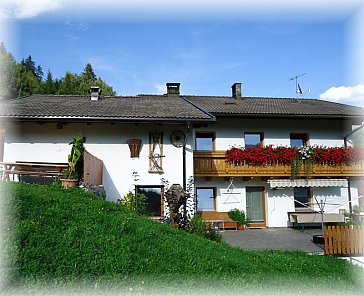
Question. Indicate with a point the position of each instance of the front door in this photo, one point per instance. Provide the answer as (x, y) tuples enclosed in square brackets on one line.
[(255, 206)]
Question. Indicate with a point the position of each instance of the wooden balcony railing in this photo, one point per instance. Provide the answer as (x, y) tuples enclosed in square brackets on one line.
[(214, 164)]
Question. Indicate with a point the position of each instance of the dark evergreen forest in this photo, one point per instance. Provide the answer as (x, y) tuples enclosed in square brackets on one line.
[(27, 78)]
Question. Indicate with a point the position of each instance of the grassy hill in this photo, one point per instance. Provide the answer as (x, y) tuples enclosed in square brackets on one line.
[(75, 240)]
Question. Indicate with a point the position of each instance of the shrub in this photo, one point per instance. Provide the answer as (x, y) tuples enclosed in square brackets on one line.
[(134, 203), (199, 226), (239, 216)]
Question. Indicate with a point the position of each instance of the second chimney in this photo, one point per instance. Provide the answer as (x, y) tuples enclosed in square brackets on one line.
[(236, 90), (95, 92), (173, 88)]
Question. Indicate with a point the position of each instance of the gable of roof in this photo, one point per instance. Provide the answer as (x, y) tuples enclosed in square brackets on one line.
[(270, 107), (118, 108)]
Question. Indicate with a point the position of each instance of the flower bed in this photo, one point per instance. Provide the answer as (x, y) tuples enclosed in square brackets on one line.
[(282, 155)]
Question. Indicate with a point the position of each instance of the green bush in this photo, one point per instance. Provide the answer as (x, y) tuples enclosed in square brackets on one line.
[(239, 216), (198, 226), (135, 203)]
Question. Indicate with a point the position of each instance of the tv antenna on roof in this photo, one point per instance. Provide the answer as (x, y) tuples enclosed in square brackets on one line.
[(298, 87)]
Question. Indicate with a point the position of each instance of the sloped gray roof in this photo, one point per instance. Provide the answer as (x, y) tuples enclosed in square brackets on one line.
[(168, 108), (256, 106), (136, 108)]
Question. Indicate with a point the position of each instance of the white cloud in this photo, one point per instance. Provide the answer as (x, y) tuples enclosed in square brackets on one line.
[(22, 9), (345, 94)]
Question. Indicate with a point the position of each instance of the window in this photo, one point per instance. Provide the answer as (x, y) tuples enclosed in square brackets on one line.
[(205, 141), (299, 140), (154, 199), (302, 197), (206, 199), (253, 139)]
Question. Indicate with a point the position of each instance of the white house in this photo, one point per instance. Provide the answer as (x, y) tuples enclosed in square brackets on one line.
[(185, 136)]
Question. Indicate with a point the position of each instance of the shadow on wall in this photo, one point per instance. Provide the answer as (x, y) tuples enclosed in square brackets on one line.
[(112, 193)]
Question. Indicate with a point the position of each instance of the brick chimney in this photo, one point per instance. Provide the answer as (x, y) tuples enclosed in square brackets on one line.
[(173, 88), (236, 90), (95, 92)]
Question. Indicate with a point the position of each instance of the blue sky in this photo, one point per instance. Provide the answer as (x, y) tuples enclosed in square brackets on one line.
[(138, 49)]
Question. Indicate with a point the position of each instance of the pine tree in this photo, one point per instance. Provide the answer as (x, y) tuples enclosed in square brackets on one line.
[(89, 73), (39, 73), (49, 85), (86, 80), (29, 64), (27, 82)]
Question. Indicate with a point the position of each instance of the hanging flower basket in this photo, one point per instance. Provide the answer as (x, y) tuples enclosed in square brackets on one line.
[(134, 146)]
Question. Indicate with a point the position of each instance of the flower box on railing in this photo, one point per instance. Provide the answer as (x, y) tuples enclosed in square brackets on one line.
[(214, 163), (281, 155)]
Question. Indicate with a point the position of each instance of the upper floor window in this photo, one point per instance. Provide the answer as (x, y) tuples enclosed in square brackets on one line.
[(253, 139), (205, 141), (299, 140)]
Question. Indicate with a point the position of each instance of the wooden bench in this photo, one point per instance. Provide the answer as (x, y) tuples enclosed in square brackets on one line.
[(219, 219), (21, 168)]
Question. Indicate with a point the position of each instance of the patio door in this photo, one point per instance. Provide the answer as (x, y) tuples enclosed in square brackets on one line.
[(255, 206)]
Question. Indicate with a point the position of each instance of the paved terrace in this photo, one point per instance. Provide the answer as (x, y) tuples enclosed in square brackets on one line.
[(274, 238)]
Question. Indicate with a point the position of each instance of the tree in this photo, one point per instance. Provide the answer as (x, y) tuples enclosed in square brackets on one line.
[(86, 80), (26, 78), (89, 74), (29, 64), (69, 84), (107, 90), (39, 72), (8, 70), (49, 86), (29, 77), (27, 82)]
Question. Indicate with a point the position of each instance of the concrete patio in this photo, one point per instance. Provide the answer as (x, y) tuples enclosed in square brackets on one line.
[(274, 238)]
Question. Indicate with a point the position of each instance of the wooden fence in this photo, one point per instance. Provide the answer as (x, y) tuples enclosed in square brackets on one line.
[(92, 169), (344, 240)]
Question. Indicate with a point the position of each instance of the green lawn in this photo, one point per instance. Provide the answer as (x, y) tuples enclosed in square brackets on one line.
[(75, 240)]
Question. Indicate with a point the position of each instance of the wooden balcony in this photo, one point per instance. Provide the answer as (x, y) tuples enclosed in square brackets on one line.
[(212, 164)]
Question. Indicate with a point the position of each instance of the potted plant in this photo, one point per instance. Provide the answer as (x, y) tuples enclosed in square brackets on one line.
[(239, 216), (75, 163)]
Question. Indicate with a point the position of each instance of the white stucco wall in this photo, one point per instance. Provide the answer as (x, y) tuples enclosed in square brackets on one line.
[(279, 202), (230, 132), (46, 143)]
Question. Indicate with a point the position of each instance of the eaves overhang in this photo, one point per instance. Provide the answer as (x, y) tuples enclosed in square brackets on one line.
[(106, 119), (287, 116)]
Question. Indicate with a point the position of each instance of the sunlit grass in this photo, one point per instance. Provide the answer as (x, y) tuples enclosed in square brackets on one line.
[(70, 238)]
